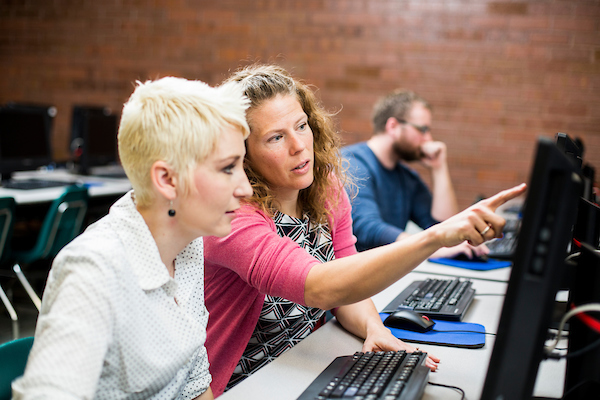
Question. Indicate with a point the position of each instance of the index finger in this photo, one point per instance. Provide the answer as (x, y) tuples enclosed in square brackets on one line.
[(502, 197)]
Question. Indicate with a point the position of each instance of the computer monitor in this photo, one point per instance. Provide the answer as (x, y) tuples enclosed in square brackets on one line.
[(589, 176), (582, 379), (583, 370), (539, 265), (93, 137), (570, 147), (25, 137), (587, 225)]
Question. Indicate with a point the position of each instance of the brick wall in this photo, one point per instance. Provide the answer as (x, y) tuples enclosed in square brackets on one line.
[(498, 73)]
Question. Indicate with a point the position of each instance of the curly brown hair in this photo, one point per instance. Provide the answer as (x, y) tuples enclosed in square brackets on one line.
[(263, 82)]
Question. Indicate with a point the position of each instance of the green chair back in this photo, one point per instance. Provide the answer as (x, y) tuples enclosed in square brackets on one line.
[(13, 358), (7, 213), (63, 222)]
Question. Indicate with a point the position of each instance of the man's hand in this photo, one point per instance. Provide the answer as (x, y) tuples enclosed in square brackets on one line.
[(434, 154), (463, 248)]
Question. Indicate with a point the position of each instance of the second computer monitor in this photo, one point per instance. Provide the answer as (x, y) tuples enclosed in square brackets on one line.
[(93, 137), (25, 138)]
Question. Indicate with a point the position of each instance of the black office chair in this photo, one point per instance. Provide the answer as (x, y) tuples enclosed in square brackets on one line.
[(63, 222), (7, 213)]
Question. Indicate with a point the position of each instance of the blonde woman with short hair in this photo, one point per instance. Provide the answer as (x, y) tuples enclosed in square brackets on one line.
[(123, 314)]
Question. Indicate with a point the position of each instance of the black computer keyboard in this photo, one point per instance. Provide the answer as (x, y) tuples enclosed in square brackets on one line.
[(370, 376), (116, 175), (504, 248), (436, 298), (28, 184)]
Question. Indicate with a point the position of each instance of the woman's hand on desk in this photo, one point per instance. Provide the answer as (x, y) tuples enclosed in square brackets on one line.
[(383, 340)]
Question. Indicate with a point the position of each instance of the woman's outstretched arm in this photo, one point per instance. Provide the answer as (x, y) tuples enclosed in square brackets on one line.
[(351, 279)]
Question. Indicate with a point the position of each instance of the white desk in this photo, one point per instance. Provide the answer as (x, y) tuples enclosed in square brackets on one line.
[(97, 186), (290, 374)]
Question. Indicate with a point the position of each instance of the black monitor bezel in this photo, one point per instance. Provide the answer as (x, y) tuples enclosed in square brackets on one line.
[(569, 147), (582, 378), (548, 217), (9, 165), (87, 158)]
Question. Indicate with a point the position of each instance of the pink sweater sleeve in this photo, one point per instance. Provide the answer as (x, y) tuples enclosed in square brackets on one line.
[(272, 264), (260, 257)]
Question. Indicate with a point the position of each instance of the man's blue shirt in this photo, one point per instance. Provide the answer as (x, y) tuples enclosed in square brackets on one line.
[(386, 199)]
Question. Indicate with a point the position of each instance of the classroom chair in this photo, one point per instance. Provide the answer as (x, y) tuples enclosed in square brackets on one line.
[(13, 358), (62, 223), (7, 214)]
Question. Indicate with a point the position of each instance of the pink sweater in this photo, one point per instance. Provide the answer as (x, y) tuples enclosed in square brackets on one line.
[(244, 266)]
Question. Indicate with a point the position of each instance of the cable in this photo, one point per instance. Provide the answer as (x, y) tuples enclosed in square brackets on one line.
[(450, 387), (583, 350), (577, 310), (577, 387), (551, 334), (576, 353), (574, 255), (591, 322)]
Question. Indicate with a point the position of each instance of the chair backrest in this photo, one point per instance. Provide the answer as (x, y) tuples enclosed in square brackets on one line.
[(63, 222), (13, 358), (7, 213)]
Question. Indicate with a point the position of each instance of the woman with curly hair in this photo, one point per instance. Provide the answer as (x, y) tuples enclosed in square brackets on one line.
[(291, 254)]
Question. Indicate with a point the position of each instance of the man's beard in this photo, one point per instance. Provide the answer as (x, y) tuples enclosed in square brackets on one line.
[(407, 153)]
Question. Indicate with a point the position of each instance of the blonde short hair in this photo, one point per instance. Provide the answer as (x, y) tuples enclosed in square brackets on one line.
[(177, 121)]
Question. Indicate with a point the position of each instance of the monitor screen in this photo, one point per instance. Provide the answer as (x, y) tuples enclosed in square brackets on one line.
[(94, 137), (539, 265), (25, 138)]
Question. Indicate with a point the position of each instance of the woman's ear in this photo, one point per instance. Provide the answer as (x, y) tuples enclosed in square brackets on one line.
[(164, 179)]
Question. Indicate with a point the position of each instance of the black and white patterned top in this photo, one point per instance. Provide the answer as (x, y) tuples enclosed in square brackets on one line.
[(282, 324)]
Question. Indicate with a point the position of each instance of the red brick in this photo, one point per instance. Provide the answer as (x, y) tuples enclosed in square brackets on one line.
[(583, 24), (499, 74), (529, 22), (507, 8)]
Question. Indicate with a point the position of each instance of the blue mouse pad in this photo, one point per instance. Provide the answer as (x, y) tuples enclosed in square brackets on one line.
[(455, 334), (491, 263)]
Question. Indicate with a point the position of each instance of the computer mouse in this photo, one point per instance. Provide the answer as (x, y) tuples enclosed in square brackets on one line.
[(408, 320), (464, 257)]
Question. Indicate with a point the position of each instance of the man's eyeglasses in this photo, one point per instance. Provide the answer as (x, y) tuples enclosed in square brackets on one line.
[(421, 128)]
